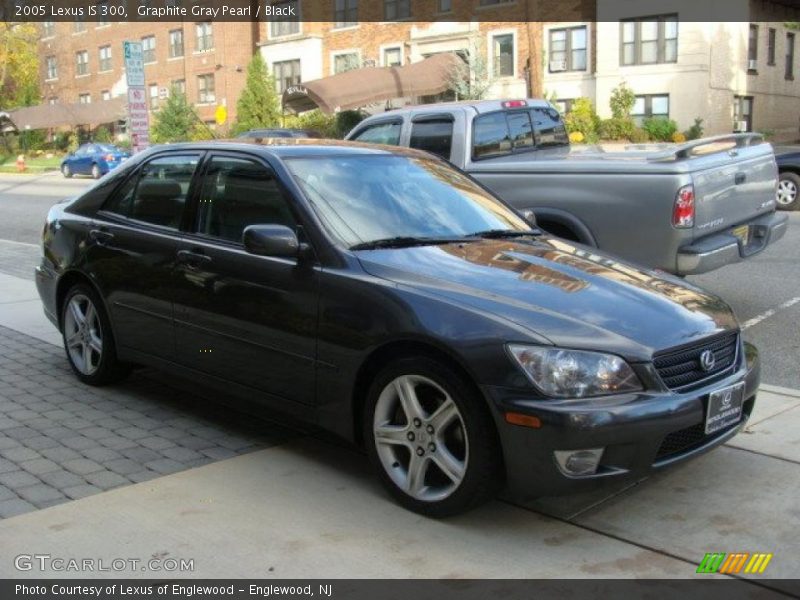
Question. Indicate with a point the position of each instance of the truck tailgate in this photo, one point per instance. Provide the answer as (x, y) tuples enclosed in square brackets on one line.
[(733, 187)]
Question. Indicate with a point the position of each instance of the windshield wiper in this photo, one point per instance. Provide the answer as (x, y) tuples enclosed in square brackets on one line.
[(496, 234), (406, 242)]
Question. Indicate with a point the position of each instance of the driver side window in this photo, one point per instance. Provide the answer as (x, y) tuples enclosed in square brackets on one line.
[(382, 133)]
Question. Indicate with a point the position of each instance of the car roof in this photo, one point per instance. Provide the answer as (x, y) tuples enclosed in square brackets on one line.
[(296, 147), (477, 106)]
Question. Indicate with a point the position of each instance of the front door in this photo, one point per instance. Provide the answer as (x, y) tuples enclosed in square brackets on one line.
[(240, 317)]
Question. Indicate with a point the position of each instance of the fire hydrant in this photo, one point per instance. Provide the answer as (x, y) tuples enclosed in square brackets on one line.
[(21, 167)]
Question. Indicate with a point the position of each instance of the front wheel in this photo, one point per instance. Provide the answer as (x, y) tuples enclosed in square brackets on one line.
[(96, 174), (66, 171), (431, 438), (788, 196), (88, 338)]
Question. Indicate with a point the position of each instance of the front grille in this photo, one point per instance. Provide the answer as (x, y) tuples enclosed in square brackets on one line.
[(680, 367), (687, 439)]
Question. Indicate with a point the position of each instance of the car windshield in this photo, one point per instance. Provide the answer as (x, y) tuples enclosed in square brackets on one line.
[(107, 148), (366, 198)]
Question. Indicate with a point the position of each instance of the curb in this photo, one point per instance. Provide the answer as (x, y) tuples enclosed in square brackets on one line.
[(776, 389)]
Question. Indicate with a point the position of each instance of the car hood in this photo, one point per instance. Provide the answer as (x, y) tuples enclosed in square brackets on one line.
[(573, 296)]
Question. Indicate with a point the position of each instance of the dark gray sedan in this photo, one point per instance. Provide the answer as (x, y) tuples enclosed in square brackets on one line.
[(385, 296)]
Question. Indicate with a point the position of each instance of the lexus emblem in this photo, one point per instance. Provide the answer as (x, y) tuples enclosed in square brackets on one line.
[(707, 360)]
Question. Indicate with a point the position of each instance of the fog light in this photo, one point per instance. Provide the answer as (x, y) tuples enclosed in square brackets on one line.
[(579, 463)]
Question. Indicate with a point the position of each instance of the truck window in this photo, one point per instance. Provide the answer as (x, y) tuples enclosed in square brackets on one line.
[(434, 136), (381, 133), (491, 136), (550, 129), (519, 124)]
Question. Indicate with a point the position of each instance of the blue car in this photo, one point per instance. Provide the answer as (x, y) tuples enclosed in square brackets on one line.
[(93, 159)]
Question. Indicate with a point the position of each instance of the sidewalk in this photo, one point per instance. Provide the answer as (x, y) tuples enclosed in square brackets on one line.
[(305, 508)]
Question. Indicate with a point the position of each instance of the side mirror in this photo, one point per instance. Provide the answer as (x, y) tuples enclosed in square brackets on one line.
[(530, 217), (271, 240)]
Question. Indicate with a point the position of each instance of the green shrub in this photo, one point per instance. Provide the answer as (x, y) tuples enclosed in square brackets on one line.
[(639, 136), (346, 120), (616, 128), (660, 129), (316, 120), (695, 132), (103, 135), (622, 101), (583, 118)]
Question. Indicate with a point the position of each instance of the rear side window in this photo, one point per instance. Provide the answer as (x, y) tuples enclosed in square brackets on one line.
[(491, 136), (434, 136), (382, 133), (519, 125), (550, 129)]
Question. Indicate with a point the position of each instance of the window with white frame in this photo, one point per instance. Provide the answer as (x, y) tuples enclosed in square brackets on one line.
[(288, 25), (78, 25), (649, 41), (345, 13), (790, 37), (105, 95), (179, 86), (105, 58), (286, 74), (650, 106), (742, 114), (503, 55), (102, 13), (82, 62), (84, 98), (346, 61), (396, 9), (205, 89), (392, 57), (48, 29), (153, 96), (176, 43), (149, 49), (568, 49), (204, 36), (52, 67)]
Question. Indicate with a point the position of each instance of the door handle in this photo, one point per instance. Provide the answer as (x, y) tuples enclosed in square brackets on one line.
[(740, 178), (191, 257), (100, 236)]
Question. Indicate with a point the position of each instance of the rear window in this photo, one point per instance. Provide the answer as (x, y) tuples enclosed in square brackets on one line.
[(434, 136), (550, 129), (501, 133), (491, 136)]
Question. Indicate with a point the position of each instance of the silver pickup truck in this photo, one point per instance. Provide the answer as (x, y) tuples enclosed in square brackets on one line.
[(686, 209)]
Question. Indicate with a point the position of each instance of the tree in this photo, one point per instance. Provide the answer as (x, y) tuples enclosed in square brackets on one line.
[(176, 121), (258, 106), (622, 101), (469, 78), (19, 65)]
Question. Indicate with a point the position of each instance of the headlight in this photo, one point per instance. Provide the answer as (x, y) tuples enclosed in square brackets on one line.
[(574, 373)]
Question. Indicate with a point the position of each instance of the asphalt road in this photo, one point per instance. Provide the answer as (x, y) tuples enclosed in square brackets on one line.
[(764, 291)]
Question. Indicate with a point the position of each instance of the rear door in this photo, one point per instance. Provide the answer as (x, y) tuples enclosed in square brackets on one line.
[(240, 317)]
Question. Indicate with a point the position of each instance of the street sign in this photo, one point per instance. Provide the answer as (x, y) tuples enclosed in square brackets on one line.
[(138, 115), (221, 115)]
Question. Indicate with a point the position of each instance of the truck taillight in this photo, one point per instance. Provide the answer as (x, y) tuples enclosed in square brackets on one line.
[(515, 104), (683, 212)]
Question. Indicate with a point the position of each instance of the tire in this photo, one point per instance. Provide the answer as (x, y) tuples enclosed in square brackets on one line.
[(459, 439), (96, 174), (90, 348), (788, 193), (66, 171)]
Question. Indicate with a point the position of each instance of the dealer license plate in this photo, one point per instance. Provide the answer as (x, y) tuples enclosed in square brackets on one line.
[(724, 408)]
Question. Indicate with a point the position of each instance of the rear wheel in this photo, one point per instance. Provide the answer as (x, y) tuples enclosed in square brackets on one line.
[(787, 195), (88, 339), (66, 171), (96, 172), (431, 438)]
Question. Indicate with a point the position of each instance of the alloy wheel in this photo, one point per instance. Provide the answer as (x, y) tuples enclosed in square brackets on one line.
[(420, 438), (787, 192), (83, 334)]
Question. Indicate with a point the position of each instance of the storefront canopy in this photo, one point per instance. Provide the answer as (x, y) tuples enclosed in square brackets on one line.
[(46, 116), (360, 87)]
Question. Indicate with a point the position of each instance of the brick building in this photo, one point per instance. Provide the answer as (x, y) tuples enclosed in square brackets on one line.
[(82, 61)]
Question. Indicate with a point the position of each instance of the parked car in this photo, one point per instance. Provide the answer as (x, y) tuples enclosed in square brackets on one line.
[(385, 296), (280, 133), (788, 160), (685, 209), (93, 159)]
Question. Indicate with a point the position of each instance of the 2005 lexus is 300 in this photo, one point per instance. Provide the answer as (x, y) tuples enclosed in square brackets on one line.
[(382, 295)]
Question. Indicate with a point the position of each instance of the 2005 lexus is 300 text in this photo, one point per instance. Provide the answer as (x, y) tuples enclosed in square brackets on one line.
[(382, 295)]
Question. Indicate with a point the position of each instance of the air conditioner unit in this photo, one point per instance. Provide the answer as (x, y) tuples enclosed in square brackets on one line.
[(558, 65), (752, 65), (740, 126)]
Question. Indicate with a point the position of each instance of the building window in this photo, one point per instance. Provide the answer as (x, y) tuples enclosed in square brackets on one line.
[(396, 9), (650, 106), (345, 62), (289, 25), (392, 57), (650, 41), (286, 73), (742, 114), (752, 49), (102, 13), (494, 2), (568, 49), (445, 6), (149, 49), (205, 36), (78, 25), (52, 67), (771, 41), (345, 13), (48, 29), (176, 43), (205, 89), (105, 95), (105, 58), (52, 100), (153, 96), (503, 55), (82, 63), (789, 56), (84, 99), (179, 86)]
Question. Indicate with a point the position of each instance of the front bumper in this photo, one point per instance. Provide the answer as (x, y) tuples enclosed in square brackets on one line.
[(637, 431), (720, 249)]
